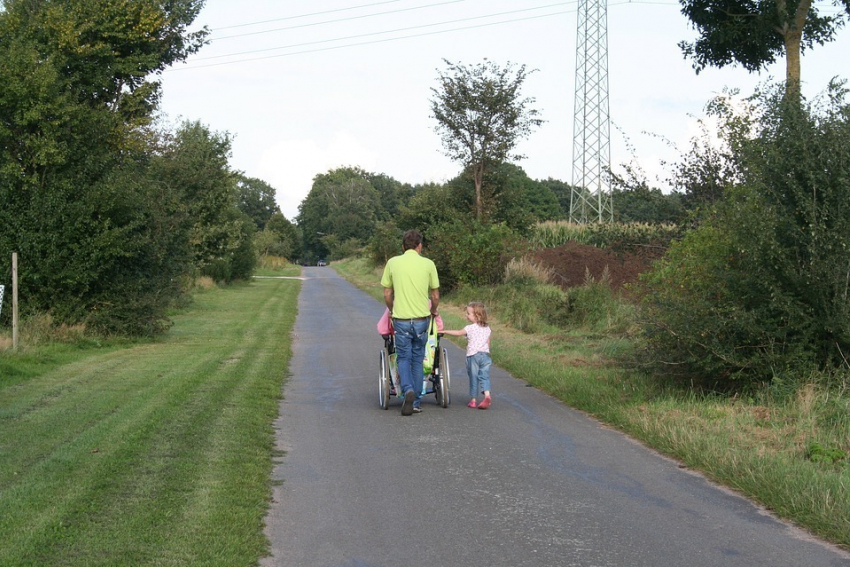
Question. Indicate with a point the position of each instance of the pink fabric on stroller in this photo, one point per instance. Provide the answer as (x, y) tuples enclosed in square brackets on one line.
[(384, 323)]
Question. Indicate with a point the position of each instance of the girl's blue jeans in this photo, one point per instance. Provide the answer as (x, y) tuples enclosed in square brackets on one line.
[(478, 369)]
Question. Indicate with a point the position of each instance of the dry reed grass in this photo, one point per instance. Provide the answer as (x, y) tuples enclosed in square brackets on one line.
[(269, 262), (203, 282), (527, 269)]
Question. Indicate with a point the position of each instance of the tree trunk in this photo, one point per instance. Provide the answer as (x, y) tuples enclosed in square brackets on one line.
[(478, 177), (792, 64), (793, 36)]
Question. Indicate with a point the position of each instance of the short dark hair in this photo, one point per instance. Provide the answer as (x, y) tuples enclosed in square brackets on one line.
[(411, 240)]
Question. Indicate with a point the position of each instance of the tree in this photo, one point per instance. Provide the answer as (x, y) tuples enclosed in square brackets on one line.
[(433, 204), (79, 202), (753, 33), (637, 201), (195, 163), (508, 196), (342, 203), (256, 198), (392, 194), (562, 191), (481, 117), (704, 172), (110, 49), (279, 238), (521, 195)]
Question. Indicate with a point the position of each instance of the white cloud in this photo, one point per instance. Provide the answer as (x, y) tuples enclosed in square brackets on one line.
[(290, 165)]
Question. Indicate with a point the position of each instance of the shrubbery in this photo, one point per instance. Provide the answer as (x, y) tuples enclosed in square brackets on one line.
[(760, 289), (384, 244), (471, 253)]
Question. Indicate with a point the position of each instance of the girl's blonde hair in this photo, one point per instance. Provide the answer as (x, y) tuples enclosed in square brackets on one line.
[(479, 312)]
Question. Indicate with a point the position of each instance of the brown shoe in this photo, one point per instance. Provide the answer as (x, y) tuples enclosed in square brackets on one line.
[(407, 406)]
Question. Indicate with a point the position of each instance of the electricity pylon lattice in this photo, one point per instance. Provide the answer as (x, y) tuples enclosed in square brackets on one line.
[(590, 198)]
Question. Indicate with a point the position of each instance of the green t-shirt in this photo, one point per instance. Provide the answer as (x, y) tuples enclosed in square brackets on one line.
[(411, 278)]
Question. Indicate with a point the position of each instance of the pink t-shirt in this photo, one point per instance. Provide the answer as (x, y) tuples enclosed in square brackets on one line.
[(477, 339)]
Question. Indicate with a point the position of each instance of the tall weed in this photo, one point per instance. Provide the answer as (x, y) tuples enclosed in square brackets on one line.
[(526, 270), (271, 262), (551, 234), (41, 329), (595, 306)]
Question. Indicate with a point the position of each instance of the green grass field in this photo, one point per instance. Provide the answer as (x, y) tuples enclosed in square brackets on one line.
[(154, 453)]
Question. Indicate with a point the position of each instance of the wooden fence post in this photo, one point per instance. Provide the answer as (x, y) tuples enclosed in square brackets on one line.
[(14, 301)]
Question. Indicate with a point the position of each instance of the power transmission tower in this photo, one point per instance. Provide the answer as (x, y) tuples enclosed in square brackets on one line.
[(590, 198)]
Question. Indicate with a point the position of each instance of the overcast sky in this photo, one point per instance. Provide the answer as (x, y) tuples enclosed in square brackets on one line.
[(305, 86)]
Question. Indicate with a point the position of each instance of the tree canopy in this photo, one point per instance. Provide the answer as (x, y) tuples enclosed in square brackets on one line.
[(481, 116), (109, 215), (342, 206), (754, 33), (256, 198)]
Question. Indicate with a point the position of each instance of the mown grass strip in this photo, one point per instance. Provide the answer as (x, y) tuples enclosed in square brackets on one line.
[(153, 454)]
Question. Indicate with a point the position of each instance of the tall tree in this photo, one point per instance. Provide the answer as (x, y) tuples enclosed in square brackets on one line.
[(256, 198), (562, 191), (342, 205), (393, 194), (279, 238), (753, 33), (481, 116), (195, 163), (77, 201)]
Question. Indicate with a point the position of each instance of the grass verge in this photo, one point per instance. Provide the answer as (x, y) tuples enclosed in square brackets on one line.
[(789, 452), (153, 453)]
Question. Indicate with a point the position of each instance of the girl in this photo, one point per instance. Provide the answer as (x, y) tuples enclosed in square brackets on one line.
[(478, 359)]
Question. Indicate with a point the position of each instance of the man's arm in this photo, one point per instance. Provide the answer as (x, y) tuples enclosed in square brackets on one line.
[(389, 297), (435, 300)]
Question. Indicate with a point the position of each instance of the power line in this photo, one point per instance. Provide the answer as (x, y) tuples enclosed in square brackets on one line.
[(411, 36), (362, 42), (397, 30), (337, 20), (307, 15), (337, 10)]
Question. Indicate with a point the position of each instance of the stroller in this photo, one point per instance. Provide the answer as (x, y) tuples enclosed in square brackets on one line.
[(436, 366)]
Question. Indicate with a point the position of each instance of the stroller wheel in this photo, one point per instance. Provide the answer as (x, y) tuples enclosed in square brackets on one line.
[(384, 381), (444, 398)]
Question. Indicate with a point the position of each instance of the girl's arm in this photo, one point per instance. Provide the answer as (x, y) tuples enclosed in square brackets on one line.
[(460, 333)]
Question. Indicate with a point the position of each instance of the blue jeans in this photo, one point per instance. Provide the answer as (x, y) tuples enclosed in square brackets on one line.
[(410, 340), (478, 369)]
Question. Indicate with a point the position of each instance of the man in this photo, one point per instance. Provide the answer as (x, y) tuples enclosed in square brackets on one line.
[(409, 282)]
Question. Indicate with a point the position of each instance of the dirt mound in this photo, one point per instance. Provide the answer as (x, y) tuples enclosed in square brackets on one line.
[(572, 261)]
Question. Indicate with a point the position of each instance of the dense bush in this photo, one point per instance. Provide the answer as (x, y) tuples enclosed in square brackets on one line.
[(384, 244), (760, 290), (471, 253)]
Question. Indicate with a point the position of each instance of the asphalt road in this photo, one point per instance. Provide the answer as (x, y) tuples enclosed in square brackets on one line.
[(528, 482)]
